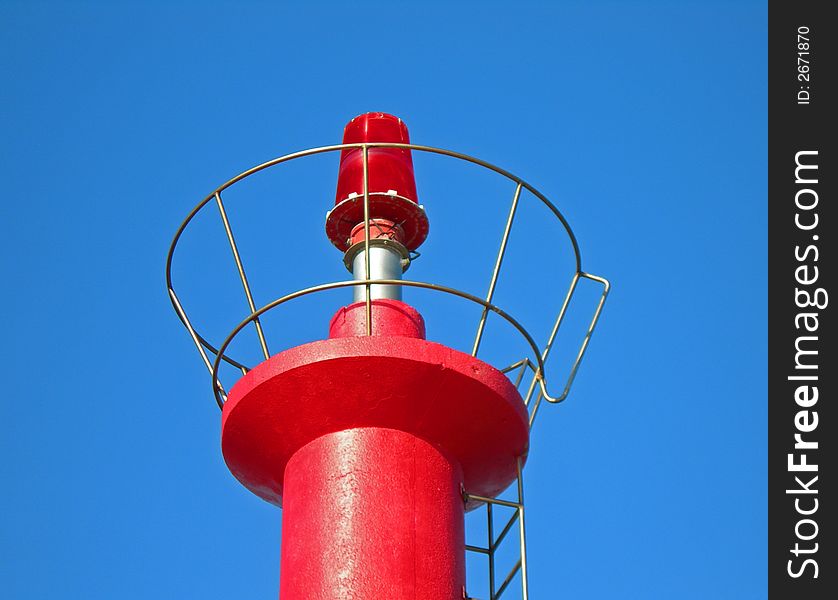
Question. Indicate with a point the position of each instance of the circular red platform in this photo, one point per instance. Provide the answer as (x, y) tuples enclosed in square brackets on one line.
[(448, 398)]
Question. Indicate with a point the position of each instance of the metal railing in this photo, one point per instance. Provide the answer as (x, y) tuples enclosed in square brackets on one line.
[(536, 362)]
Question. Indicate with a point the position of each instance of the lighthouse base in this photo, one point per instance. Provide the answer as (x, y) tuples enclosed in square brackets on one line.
[(372, 513)]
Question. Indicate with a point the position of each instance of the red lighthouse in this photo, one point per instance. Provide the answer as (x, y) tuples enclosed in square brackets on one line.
[(376, 440)]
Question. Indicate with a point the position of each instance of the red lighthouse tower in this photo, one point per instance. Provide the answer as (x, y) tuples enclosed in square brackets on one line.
[(376, 441)]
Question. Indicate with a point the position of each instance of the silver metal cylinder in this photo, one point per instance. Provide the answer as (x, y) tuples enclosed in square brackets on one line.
[(385, 263)]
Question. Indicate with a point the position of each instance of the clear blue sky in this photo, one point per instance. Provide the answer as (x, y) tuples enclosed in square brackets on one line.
[(644, 121)]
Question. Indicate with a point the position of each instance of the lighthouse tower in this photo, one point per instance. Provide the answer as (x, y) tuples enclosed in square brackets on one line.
[(376, 441)]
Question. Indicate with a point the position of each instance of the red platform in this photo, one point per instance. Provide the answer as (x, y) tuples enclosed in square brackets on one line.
[(452, 400)]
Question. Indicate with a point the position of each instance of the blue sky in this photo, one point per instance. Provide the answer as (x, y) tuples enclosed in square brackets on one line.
[(645, 122)]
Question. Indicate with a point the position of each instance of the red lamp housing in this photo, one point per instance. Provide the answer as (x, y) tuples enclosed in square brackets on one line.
[(392, 186)]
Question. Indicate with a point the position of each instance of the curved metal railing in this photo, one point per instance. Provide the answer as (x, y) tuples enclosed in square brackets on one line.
[(536, 363)]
